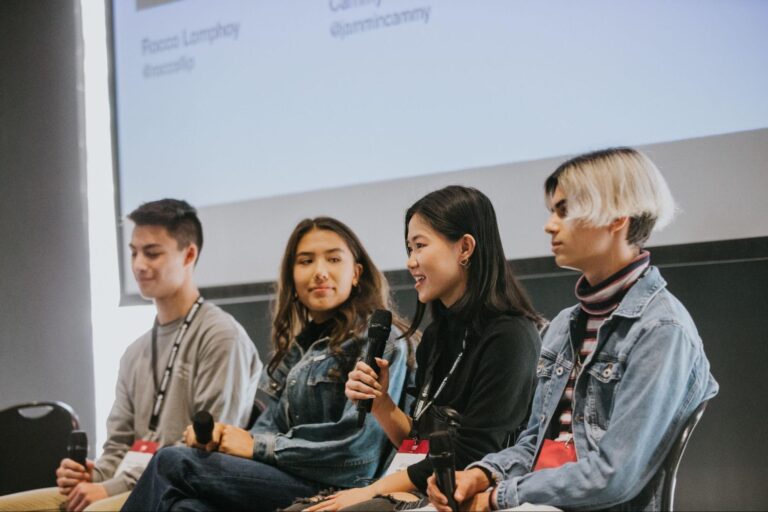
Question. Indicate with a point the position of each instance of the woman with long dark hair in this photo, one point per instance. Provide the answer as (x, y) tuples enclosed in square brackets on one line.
[(307, 438), (476, 360)]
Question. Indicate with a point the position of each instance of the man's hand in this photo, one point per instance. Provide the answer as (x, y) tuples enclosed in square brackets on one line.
[(236, 441), (70, 473), (85, 494), (468, 484), (191, 441)]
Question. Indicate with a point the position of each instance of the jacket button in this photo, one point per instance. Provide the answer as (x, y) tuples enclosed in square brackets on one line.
[(608, 371), (273, 385), (559, 371)]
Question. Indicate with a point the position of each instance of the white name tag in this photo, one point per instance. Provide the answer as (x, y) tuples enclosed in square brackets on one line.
[(138, 457), (410, 452)]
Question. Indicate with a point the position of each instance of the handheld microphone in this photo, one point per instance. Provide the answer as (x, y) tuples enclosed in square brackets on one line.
[(202, 424), (77, 449), (379, 327), (442, 456)]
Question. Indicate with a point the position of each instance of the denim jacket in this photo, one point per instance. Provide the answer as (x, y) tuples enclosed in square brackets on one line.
[(309, 428), (646, 376)]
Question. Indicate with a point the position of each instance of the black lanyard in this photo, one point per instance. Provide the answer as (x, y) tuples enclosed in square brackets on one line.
[(424, 401), (160, 393)]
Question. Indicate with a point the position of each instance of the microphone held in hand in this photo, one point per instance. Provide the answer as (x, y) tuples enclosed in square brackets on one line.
[(202, 423), (443, 459), (77, 449), (379, 327)]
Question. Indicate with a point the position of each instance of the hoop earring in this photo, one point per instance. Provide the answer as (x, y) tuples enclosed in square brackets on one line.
[(464, 263)]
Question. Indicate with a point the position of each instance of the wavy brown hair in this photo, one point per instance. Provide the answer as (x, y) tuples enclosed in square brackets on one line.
[(290, 316)]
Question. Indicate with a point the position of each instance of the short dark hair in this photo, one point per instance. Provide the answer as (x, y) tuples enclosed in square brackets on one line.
[(175, 215), (492, 287)]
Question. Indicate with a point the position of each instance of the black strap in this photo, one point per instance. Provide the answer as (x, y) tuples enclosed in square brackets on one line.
[(424, 402), (160, 390)]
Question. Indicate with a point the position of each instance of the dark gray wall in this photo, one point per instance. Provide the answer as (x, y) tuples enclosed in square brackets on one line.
[(45, 320)]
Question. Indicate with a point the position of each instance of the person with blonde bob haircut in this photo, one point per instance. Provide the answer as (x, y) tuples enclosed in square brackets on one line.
[(615, 183), (619, 373)]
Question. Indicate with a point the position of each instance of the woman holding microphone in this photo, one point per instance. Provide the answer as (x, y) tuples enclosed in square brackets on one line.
[(477, 359)]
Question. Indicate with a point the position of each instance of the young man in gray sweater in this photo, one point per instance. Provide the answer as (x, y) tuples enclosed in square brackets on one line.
[(195, 358)]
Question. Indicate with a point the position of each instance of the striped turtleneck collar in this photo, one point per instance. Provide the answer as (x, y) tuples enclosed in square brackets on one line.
[(604, 297)]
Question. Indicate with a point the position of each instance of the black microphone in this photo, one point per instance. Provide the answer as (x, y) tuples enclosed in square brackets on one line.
[(379, 327), (444, 465), (202, 423), (77, 449)]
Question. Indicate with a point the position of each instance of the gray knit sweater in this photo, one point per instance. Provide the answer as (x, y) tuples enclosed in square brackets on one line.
[(217, 369)]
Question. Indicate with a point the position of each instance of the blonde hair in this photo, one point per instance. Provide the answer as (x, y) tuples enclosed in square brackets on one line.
[(605, 185)]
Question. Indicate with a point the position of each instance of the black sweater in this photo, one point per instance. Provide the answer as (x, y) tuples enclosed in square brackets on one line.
[(491, 388)]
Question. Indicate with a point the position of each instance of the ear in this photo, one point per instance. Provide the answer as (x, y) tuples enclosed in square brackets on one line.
[(190, 255), (357, 274), (618, 225), (467, 244)]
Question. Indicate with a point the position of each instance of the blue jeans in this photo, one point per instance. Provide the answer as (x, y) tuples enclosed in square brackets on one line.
[(180, 478)]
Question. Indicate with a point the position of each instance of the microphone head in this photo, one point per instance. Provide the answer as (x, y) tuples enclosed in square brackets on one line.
[(77, 449), (202, 423), (380, 324)]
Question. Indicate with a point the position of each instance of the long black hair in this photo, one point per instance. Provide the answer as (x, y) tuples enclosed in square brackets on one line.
[(453, 212)]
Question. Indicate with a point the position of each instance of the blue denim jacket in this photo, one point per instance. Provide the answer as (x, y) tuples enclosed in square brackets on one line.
[(309, 428), (646, 376)]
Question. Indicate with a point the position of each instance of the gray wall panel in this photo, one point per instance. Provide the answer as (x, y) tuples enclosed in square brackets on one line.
[(45, 339)]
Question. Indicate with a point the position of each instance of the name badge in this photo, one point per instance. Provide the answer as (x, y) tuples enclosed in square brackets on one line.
[(410, 452), (138, 457)]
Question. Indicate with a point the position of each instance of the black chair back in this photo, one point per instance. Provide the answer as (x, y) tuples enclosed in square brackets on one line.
[(675, 455), (34, 440)]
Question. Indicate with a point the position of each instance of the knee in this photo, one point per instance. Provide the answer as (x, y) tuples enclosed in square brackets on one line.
[(171, 459)]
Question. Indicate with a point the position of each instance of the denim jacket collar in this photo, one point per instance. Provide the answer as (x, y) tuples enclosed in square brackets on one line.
[(638, 297)]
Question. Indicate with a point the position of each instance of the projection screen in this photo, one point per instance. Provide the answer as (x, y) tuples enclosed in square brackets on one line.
[(261, 113)]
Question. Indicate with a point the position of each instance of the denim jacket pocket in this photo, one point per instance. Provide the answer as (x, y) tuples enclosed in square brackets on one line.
[(606, 371), (546, 365), (605, 379), (544, 369), (325, 383), (273, 384), (546, 375), (324, 369)]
